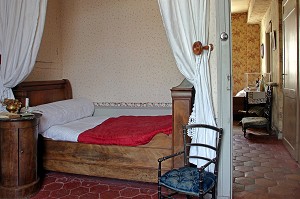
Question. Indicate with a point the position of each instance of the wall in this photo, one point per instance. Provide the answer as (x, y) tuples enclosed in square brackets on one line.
[(49, 58), (111, 51), (273, 15), (117, 50), (245, 49)]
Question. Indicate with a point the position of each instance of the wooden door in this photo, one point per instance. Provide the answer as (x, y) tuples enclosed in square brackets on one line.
[(28, 152), (290, 76)]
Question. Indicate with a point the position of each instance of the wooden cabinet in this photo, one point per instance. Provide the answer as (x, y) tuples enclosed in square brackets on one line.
[(18, 157), (182, 105)]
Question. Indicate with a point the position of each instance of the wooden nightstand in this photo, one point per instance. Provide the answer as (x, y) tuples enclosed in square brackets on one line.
[(18, 157)]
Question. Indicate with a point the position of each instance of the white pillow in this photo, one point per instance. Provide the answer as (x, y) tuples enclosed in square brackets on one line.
[(62, 112), (241, 93)]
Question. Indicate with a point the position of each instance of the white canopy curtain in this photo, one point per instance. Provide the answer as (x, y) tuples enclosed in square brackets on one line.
[(185, 22), (22, 25)]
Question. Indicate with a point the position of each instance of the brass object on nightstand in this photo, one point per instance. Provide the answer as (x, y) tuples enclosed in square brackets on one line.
[(12, 105)]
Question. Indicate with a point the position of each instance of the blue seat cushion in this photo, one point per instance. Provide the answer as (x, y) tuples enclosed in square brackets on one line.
[(186, 180)]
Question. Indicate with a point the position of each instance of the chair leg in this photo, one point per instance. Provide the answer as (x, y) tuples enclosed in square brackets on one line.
[(213, 194), (244, 130), (159, 191), (269, 129)]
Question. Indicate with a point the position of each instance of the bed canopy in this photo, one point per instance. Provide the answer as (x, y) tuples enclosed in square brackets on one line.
[(22, 24), (186, 22)]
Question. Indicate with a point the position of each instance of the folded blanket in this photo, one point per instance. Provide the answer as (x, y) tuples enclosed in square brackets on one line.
[(127, 130)]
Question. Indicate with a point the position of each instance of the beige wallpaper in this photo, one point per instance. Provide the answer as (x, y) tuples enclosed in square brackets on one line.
[(112, 51), (273, 15), (49, 59), (245, 49)]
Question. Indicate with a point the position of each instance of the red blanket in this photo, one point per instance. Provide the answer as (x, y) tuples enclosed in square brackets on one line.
[(127, 130)]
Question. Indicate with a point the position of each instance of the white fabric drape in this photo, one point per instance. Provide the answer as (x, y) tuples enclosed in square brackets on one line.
[(185, 22), (22, 24)]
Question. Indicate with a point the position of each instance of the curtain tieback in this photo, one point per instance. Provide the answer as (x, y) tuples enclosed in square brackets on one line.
[(198, 48)]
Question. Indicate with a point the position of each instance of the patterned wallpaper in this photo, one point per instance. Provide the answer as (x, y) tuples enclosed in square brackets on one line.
[(245, 50), (112, 51)]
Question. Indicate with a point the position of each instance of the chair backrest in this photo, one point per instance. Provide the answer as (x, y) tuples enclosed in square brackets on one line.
[(268, 106), (215, 147)]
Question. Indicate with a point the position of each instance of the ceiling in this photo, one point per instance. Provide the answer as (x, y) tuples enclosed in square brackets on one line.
[(256, 9), (238, 6)]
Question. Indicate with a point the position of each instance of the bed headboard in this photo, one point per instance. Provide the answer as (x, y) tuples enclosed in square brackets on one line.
[(42, 92)]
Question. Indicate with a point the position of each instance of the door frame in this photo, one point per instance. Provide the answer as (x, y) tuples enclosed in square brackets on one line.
[(224, 57), (298, 100)]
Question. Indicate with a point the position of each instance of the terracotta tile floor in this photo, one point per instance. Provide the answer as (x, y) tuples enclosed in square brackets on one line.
[(64, 186), (263, 169), (71, 186)]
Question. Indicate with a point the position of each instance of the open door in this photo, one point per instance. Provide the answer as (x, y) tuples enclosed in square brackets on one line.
[(290, 77)]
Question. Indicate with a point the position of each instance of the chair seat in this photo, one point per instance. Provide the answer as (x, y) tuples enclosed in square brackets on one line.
[(254, 121), (186, 180)]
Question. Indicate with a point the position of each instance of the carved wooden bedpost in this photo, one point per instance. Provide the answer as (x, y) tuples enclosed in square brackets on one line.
[(182, 100)]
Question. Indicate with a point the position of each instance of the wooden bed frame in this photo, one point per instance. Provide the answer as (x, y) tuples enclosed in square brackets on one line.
[(238, 107), (121, 162)]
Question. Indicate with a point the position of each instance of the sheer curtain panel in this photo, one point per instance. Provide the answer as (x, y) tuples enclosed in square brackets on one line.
[(185, 22), (22, 25)]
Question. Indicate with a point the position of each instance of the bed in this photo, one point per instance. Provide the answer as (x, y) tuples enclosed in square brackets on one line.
[(239, 103), (122, 162), (238, 107)]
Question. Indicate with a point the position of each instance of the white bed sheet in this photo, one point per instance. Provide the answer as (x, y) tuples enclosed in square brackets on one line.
[(71, 130)]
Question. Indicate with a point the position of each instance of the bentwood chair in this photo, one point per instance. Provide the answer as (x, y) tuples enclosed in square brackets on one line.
[(190, 180), (263, 121)]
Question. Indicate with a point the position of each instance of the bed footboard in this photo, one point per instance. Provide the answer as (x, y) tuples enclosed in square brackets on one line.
[(121, 162)]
